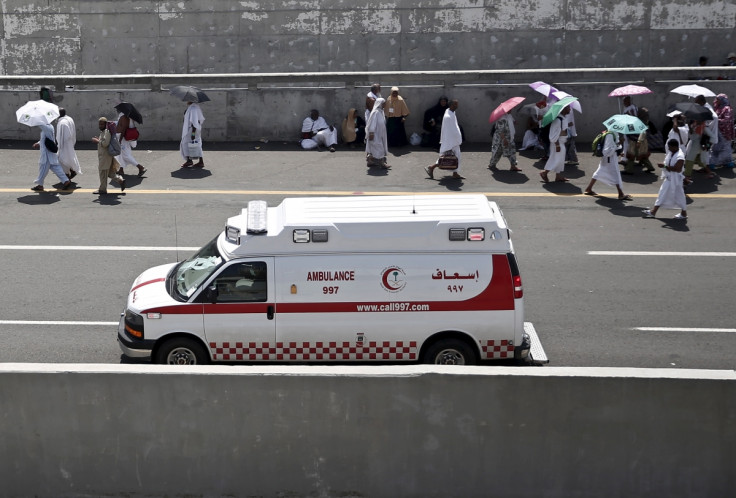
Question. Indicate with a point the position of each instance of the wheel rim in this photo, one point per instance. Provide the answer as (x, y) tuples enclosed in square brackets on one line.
[(450, 356), (181, 356)]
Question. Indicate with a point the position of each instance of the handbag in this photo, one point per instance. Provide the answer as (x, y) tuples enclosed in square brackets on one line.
[(448, 160), (195, 149), (50, 145), (131, 134)]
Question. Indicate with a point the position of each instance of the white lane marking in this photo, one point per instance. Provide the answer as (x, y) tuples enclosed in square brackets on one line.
[(680, 329), (659, 253), (53, 322), (97, 248)]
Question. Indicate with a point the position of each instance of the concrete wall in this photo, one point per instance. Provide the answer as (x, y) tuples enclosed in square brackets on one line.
[(272, 107), (409, 431), (222, 36)]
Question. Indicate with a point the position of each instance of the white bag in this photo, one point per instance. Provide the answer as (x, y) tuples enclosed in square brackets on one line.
[(415, 139), (195, 149)]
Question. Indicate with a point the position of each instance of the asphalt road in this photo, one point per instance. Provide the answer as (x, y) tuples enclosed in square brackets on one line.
[(69, 258)]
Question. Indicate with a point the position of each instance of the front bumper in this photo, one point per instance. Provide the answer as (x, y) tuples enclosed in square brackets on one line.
[(130, 346)]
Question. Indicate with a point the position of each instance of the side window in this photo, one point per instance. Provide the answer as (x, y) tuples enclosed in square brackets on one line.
[(242, 282)]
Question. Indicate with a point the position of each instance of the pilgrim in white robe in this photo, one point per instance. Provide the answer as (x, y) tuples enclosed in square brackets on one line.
[(66, 136), (672, 193), (451, 137), (557, 135), (608, 171), (376, 124), (193, 119), (322, 134)]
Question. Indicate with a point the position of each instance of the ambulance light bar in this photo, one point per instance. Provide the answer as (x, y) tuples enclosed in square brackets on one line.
[(232, 234), (256, 222), (472, 234)]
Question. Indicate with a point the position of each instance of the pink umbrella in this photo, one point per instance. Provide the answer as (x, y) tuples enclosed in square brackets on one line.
[(629, 90), (544, 88), (504, 108)]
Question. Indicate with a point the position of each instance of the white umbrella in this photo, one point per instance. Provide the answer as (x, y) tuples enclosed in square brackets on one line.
[(693, 91), (559, 95), (37, 112)]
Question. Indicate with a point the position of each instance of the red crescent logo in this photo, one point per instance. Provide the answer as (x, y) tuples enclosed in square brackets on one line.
[(392, 285)]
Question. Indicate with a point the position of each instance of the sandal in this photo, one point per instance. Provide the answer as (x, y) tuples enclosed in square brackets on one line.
[(626, 197), (589, 192), (543, 174), (561, 179), (515, 169)]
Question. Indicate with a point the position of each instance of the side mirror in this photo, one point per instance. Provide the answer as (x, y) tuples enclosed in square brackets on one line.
[(210, 294)]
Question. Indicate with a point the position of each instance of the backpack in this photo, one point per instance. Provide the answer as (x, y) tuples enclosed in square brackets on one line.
[(598, 141), (50, 145), (113, 147)]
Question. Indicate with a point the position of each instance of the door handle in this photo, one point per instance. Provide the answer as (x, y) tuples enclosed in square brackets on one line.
[(269, 312)]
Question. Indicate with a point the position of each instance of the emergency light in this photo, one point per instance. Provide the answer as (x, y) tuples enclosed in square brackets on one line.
[(256, 222)]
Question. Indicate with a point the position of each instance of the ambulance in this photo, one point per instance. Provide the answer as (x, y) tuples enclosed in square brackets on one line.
[(410, 278)]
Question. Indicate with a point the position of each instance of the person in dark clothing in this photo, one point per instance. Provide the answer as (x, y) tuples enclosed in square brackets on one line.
[(432, 123)]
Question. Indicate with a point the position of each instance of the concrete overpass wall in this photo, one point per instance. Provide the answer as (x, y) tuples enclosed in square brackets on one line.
[(409, 431), (222, 36)]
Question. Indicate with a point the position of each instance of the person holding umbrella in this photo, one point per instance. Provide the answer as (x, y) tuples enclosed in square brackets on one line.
[(503, 136), (128, 136), (41, 113), (556, 115), (191, 130), (608, 171)]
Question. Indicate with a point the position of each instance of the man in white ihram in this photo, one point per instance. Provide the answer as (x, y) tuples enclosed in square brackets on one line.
[(316, 132), (191, 131), (450, 139), (66, 137)]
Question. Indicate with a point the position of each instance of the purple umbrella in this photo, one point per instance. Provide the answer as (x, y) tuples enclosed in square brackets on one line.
[(544, 88)]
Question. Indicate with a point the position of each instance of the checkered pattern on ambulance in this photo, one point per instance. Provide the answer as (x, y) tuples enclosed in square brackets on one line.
[(492, 350), (314, 351)]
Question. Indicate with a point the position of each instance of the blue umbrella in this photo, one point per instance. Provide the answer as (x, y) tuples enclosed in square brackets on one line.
[(626, 124)]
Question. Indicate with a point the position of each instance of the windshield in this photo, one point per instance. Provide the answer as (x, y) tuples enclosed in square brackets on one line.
[(195, 270)]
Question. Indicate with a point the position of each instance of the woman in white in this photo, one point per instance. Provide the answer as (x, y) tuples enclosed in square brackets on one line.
[(671, 193), (376, 143), (608, 171), (191, 131)]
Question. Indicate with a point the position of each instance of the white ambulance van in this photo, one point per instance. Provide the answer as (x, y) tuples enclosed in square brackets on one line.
[(422, 278)]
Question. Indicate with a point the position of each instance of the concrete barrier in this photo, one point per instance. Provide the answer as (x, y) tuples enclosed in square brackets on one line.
[(410, 431)]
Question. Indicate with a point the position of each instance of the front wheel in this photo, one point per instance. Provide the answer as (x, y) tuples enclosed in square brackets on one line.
[(182, 351), (449, 352)]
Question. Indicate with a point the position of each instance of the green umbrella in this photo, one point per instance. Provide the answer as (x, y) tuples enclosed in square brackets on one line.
[(555, 109), (626, 124)]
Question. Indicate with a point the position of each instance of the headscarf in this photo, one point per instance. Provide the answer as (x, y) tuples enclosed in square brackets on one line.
[(348, 126), (725, 116), (376, 117), (435, 112)]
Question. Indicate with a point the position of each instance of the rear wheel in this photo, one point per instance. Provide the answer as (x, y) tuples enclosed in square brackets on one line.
[(182, 351), (449, 352)]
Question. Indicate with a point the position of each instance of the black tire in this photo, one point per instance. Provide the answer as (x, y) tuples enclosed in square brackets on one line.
[(449, 352), (182, 351)]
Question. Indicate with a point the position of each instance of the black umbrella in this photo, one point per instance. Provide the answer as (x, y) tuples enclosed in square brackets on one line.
[(694, 111), (189, 93), (129, 110)]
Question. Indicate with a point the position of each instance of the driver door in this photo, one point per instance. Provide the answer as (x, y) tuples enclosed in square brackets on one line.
[(238, 310)]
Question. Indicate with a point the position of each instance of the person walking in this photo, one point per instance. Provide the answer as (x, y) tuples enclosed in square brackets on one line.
[(396, 112), (608, 171), (126, 146), (503, 143), (191, 131), (376, 143), (450, 139), (106, 161), (48, 160), (722, 153), (672, 192), (557, 140), (66, 137)]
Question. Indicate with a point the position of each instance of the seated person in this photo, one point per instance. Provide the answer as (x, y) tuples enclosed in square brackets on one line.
[(353, 128), (432, 123), (316, 132)]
